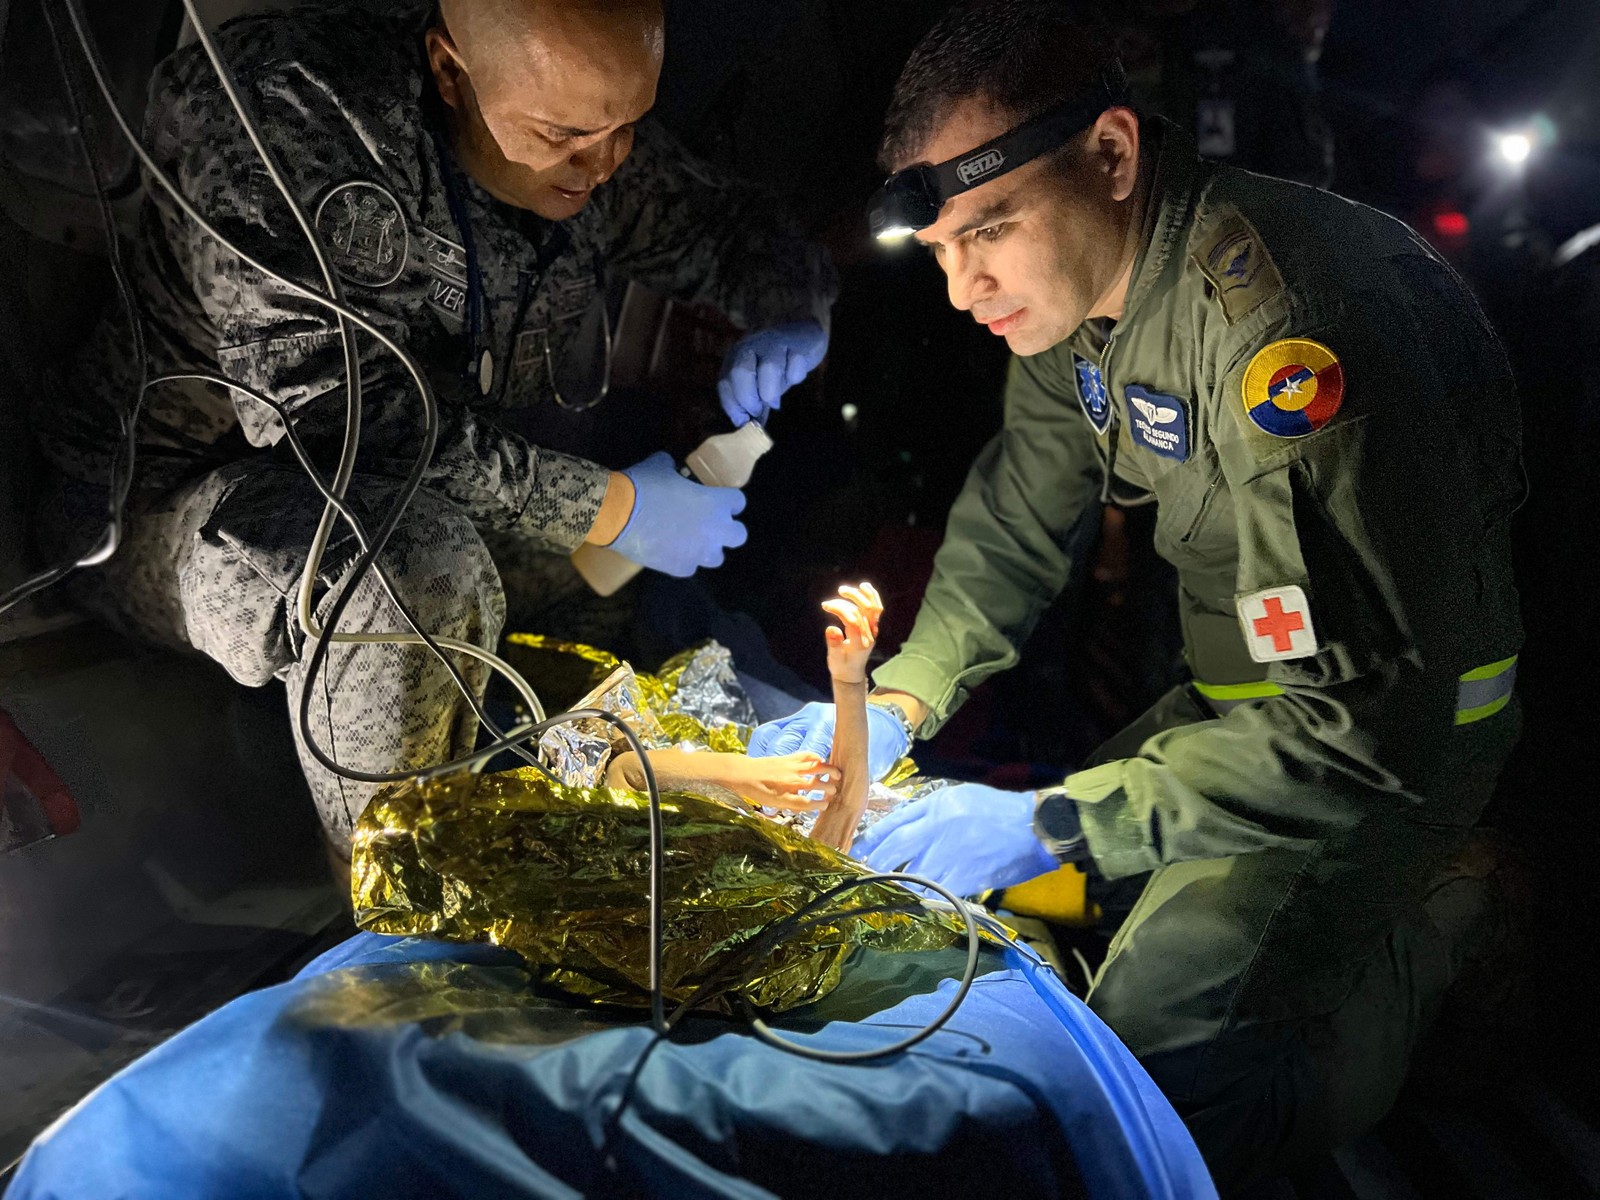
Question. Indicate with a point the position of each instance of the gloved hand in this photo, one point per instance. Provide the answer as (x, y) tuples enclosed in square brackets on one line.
[(968, 837), (811, 729), (678, 526), (765, 364)]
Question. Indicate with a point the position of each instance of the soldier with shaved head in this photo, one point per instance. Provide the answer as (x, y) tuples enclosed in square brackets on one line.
[(483, 175)]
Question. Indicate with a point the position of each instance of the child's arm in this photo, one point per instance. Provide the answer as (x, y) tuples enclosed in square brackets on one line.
[(767, 782), (858, 610)]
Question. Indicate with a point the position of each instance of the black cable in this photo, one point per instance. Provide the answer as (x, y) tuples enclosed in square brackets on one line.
[(375, 545), (768, 938), (658, 1019), (121, 473), (412, 482), (727, 972), (771, 936), (360, 531)]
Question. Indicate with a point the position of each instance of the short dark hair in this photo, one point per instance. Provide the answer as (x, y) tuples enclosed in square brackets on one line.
[(1024, 56)]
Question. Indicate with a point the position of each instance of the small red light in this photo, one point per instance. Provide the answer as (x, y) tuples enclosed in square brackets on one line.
[(1451, 224)]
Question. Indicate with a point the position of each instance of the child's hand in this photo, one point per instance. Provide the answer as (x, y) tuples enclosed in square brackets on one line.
[(858, 610), (797, 782)]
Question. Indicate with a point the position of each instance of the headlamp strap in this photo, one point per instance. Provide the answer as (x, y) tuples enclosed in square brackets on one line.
[(1023, 144)]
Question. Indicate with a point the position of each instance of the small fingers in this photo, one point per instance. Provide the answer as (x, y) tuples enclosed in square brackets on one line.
[(874, 608), (817, 791), (803, 762), (856, 630), (844, 610), (867, 601)]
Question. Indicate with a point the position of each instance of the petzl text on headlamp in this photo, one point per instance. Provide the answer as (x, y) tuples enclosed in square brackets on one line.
[(911, 199)]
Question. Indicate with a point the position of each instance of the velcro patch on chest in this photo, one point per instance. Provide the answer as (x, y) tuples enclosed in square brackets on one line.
[(1158, 422), (1277, 624), (1242, 274), (1092, 394), (446, 263), (571, 295)]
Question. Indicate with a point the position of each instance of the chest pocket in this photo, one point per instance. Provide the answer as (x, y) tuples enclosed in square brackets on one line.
[(551, 351), (1196, 526)]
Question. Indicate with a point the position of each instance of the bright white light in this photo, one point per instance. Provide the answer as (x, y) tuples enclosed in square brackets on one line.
[(849, 412), (1514, 148), (895, 233)]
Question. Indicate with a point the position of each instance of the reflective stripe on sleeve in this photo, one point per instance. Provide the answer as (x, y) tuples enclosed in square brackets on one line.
[(1481, 692), (1225, 697), (1485, 691)]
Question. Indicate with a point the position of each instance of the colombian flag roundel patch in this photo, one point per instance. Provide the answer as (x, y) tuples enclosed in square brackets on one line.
[(1293, 387)]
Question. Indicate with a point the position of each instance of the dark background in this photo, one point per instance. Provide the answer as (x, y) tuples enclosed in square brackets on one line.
[(1405, 102), (1399, 111)]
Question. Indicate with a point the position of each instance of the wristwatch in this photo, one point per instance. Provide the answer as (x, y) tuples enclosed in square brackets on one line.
[(898, 713), (1057, 825)]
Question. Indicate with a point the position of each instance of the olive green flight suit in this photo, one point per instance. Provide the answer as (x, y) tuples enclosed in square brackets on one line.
[(1280, 961)]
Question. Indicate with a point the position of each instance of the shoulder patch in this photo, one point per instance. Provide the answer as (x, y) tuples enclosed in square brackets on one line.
[(1277, 624), (1241, 271), (1293, 387), (365, 232)]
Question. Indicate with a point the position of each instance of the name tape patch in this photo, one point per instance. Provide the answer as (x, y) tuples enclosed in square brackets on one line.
[(1158, 422), (446, 263)]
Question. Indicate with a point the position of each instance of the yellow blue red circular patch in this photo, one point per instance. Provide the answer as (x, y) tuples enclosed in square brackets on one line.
[(1293, 387)]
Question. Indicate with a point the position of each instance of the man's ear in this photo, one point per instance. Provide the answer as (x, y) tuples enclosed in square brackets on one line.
[(449, 73), (1114, 147)]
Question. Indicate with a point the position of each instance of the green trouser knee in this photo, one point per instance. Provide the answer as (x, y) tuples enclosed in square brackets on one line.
[(1275, 997)]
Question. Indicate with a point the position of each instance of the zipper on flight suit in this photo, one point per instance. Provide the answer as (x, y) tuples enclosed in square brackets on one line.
[(1114, 429), (1200, 513)]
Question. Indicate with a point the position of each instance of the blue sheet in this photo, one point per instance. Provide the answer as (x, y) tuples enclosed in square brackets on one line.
[(395, 1068)]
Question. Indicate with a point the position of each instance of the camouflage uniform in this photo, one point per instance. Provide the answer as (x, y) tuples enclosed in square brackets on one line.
[(221, 519)]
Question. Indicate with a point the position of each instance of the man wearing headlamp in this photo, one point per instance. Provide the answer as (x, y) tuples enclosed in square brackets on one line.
[(1329, 428)]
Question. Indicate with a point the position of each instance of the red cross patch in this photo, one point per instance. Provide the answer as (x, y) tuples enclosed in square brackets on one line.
[(1277, 624)]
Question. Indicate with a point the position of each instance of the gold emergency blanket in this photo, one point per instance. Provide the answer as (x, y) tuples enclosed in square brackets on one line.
[(559, 874), (559, 871)]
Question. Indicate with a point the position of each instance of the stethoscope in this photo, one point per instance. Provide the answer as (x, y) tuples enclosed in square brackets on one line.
[(479, 367)]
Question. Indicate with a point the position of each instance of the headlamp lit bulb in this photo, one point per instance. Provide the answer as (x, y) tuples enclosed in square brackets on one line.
[(1514, 148)]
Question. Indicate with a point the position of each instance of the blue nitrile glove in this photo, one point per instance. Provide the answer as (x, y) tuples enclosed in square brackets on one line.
[(811, 728), (765, 364), (968, 837), (678, 526)]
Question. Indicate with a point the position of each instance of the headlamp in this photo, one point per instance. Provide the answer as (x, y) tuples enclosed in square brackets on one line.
[(910, 200)]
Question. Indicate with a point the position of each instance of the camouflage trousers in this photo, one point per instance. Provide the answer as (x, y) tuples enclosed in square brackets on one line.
[(215, 567)]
